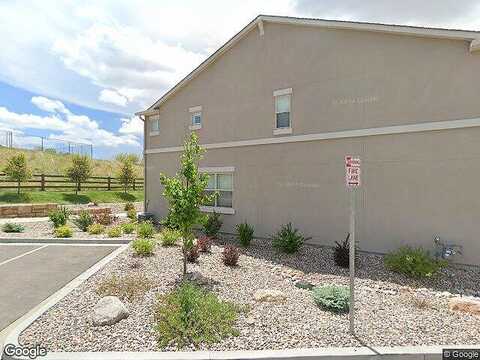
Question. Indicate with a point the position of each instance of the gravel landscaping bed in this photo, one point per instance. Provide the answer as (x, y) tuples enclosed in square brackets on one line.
[(391, 309)]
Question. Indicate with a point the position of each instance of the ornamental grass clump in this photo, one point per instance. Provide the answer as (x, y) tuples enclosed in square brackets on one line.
[(245, 233), (63, 231), (96, 229), (341, 253), (132, 214), (145, 230), (169, 237), (114, 231), (13, 228), (332, 298), (128, 228), (413, 262), (129, 287), (190, 315), (288, 239), (143, 247)]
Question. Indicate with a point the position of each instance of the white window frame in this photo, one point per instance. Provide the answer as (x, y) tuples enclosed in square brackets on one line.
[(219, 171), (195, 111), (280, 93), (152, 119)]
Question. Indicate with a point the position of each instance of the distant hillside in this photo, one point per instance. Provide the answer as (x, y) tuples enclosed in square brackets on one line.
[(55, 163)]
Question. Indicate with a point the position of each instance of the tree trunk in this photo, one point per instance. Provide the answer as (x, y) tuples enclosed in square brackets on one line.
[(18, 187), (184, 261)]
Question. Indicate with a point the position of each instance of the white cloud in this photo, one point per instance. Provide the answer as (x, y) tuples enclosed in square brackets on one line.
[(112, 97), (132, 126), (68, 126)]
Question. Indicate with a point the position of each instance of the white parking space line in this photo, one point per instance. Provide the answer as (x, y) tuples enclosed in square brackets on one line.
[(22, 255)]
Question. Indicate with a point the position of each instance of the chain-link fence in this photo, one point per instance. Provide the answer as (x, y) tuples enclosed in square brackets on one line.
[(11, 139)]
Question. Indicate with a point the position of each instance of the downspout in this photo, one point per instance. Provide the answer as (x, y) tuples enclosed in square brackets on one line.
[(145, 202)]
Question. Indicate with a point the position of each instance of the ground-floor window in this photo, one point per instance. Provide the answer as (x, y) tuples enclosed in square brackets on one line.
[(220, 183)]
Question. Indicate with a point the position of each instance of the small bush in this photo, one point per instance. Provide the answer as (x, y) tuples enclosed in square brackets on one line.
[(192, 254), (230, 255), (204, 244), (341, 253), (13, 228), (168, 222), (191, 315), (143, 247), (212, 225), (83, 220), (169, 237), (413, 262), (114, 231), (129, 206), (245, 233), (128, 228), (332, 298), (63, 231), (59, 217), (96, 229), (104, 218), (129, 288), (288, 239), (145, 230), (132, 214)]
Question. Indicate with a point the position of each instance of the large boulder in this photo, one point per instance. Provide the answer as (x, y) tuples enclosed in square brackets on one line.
[(470, 306), (108, 311), (269, 295)]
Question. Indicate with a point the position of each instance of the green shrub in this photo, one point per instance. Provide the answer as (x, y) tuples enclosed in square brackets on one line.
[(212, 225), (245, 233), (114, 231), (145, 230), (132, 214), (143, 247), (13, 228), (288, 239), (129, 206), (83, 220), (191, 315), (63, 231), (332, 297), (169, 237), (96, 229), (413, 262), (128, 228), (59, 217), (168, 222)]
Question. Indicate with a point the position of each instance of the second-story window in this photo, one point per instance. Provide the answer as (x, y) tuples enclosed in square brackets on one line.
[(283, 102), (154, 125), (195, 117)]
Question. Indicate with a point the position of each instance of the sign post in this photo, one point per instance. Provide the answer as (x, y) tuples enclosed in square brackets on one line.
[(352, 180)]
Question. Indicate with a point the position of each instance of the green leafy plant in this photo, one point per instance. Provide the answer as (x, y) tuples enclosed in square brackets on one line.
[(13, 228), (59, 217), (126, 170), (288, 239), (212, 225), (17, 169), (145, 230), (185, 193), (115, 231), (129, 206), (63, 231), (128, 228), (169, 237), (83, 220), (169, 222), (79, 171), (129, 287), (96, 229), (230, 255), (192, 315), (245, 233), (143, 247), (332, 297), (413, 262), (132, 214)]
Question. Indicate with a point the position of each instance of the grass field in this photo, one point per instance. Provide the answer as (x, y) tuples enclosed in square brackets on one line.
[(83, 197), (55, 163)]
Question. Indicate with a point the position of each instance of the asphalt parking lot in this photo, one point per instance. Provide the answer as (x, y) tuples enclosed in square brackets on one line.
[(31, 273)]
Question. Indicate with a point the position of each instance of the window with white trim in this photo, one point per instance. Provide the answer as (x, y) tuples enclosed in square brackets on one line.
[(282, 111), (220, 184), (154, 125), (197, 118)]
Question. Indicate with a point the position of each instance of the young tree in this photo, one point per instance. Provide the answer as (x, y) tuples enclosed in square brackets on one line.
[(17, 170), (185, 193), (126, 171), (79, 171)]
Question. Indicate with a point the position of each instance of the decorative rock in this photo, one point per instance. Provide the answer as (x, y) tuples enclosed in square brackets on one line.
[(250, 321), (198, 278), (108, 311), (304, 285), (465, 305), (268, 295)]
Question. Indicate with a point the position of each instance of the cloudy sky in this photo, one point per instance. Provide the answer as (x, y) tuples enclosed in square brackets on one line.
[(79, 70)]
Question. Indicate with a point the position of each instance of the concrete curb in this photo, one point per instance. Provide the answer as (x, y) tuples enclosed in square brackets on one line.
[(13, 331), (114, 241)]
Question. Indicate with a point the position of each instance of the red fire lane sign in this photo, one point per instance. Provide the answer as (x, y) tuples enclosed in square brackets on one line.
[(352, 171)]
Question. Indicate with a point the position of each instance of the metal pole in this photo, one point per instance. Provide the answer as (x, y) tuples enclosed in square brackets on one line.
[(352, 262)]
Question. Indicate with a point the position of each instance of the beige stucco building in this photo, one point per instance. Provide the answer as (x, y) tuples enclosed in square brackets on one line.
[(280, 105)]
